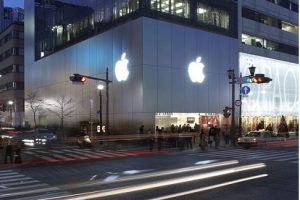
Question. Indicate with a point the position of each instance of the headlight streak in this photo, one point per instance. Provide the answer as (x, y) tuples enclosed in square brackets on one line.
[(176, 171), (114, 179), (156, 184), (210, 187)]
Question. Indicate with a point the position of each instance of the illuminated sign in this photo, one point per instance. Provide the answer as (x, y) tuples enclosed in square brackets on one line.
[(121, 69), (278, 97), (196, 71)]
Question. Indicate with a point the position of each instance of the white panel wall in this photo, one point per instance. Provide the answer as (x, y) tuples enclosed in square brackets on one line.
[(169, 88)]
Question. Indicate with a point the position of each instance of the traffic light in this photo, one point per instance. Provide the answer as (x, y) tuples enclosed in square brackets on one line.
[(260, 78), (226, 112), (257, 78), (77, 78)]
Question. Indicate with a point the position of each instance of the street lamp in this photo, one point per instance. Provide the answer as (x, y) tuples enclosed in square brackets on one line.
[(100, 87), (10, 103)]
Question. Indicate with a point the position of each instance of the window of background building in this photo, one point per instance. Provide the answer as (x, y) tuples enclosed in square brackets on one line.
[(286, 4), (174, 7), (289, 27), (213, 16), (268, 44), (268, 20)]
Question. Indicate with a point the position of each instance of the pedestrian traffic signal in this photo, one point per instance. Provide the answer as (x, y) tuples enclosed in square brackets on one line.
[(77, 78), (226, 112)]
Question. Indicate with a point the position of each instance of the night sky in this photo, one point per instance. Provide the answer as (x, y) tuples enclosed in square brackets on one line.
[(14, 3)]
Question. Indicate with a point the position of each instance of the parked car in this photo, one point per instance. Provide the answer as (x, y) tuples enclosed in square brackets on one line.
[(256, 138)]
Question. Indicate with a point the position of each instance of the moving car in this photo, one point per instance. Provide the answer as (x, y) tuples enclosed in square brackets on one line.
[(39, 136), (256, 138)]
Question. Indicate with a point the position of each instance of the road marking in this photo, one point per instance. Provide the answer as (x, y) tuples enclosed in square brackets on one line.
[(25, 187), (62, 157), (48, 158), (16, 179), (77, 156), (13, 176), (81, 153), (286, 159)]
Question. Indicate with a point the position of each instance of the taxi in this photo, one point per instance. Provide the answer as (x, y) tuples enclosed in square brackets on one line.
[(258, 138)]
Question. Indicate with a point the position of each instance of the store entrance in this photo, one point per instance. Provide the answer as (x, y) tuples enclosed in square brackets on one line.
[(190, 122)]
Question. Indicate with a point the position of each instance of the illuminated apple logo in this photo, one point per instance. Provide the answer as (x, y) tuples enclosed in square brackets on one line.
[(121, 70), (196, 71)]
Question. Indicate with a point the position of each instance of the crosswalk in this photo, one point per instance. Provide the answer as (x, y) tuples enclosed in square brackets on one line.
[(263, 155), (17, 186), (74, 154)]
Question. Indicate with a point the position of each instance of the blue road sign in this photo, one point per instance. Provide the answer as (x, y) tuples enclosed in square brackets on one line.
[(245, 90)]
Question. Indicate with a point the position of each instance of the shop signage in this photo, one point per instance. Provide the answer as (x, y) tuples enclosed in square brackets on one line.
[(121, 69), (196, 71)]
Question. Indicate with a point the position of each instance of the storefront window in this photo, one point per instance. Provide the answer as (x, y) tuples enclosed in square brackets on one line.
[(212, 16)]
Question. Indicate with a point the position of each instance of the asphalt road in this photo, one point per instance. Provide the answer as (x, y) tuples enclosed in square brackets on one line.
[(233, 174)]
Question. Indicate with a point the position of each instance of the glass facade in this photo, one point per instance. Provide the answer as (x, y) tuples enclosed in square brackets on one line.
[(60, 23), (268, 102)]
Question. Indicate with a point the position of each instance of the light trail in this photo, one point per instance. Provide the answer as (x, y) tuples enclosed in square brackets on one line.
[(157, 184), (210, 187)]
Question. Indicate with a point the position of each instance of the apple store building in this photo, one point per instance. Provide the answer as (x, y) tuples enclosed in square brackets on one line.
[(167, 61)]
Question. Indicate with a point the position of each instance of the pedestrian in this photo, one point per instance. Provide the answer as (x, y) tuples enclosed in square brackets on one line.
[(211, 136), (151, 140), (8, 151), (203, 141), (227, 137), (141, 129), (217, 137)]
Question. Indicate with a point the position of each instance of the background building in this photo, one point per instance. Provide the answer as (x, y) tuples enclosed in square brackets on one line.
[(269, 35), (11, 66), (160, 38)]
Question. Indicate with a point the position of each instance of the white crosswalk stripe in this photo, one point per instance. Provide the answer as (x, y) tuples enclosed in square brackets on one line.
[(265, 155), (25, 187), (71, 154)]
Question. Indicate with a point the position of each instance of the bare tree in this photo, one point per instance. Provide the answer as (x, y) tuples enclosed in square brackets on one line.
[(34, 103), (62, 107)]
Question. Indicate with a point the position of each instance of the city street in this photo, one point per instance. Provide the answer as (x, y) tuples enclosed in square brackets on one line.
[(232, 173)]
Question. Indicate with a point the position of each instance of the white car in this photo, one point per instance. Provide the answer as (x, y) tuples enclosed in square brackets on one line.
[(258, 138)]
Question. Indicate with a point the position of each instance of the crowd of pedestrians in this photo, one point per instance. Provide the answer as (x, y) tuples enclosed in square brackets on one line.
[(185, 136)]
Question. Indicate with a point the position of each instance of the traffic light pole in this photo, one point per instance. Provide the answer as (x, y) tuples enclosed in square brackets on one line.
[(232, 128), (107, 128), (78, 78), (240, 114)]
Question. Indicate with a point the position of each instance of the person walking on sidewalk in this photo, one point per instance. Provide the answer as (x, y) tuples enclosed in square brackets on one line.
[(203, 141), (8, 151)]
